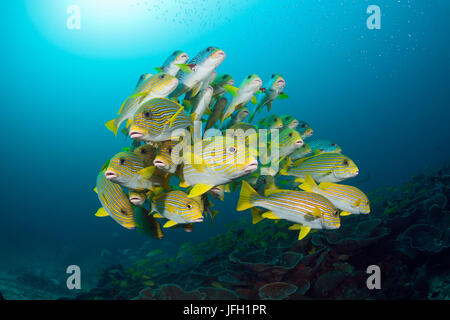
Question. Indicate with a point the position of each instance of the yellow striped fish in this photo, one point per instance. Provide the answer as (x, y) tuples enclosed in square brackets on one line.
[(301, 152), (271, 122), (307, 210), (165, 160), (319, 145), (305, 130), (289, 140), (158, 120), (346, 198), (114, 202), (324, 167), (177, 207), (289, 122), (157, 86), (215, 161), (170, 66), (127, 169), (147, 153)]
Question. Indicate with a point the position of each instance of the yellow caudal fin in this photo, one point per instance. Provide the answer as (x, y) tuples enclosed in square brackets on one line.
[(309, 184), (112, 126), (199, 189), (245, 198), (172, 119), (256, 215), (101, 212)]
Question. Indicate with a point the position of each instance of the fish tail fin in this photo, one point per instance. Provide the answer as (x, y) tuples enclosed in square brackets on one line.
[(308, 184), (112, 125), (246, 197)]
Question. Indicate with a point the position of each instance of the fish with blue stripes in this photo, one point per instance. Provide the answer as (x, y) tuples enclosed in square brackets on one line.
[(171, 65), (349, 199), (158, 120), (147, 153), (114, 201), (305, 209), (271, 122), (273, 89), (289, 121), (127, 169), (302, 152), (319, 145), (199, 68), (177, 208), (305, 129), (242, 95), (215, 161), (157, 86), (323, 167), (168, 156)]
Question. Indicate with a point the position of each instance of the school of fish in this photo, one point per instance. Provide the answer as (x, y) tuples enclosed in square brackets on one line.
[(195, 137)]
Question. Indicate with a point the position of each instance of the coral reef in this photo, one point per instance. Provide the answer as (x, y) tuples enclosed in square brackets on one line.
[(407, 235)]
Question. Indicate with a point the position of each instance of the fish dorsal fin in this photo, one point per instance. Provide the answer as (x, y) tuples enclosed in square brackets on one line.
[(269, 192), (299, 161), (269, 215), (101, 212), (199, 189), (169, 224), (309, 184), (231, 90)]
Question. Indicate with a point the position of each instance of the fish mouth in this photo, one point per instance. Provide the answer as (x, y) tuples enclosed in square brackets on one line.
[(110, 175), (159, 163), (356, 172), (299, 143), (281, 82), (220, 54), (199, 219), (136, 200), (245, 112), (294, 123), (136, 135), (252, 166), (231, 82)]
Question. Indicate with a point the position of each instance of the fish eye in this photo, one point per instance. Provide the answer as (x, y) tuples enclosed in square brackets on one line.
[(209, 49), (304, 125), (232, 149), (273, 76), (189, 206), (162, 76), (290, 134), (143, 151), (170, 150), (123, 211), (345, 163), (249, 76), (333, 144), (147, 114), (122, 161)]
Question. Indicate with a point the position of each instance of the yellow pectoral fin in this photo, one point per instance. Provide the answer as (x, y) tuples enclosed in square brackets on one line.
[(254, 101), (269, 215), (169, 224), (256, 216), (295, 227), (147, 172), (199, 189), (101, 213), (303, 232), (231, 90), (344, 213), (172, 119), (95, 190), (196, 89), (157, 215), (317, 213)]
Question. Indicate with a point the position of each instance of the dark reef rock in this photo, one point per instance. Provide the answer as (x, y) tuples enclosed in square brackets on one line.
[(407, 235)]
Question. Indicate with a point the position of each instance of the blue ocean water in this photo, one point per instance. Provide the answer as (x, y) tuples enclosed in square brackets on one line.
[(383, 95)]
